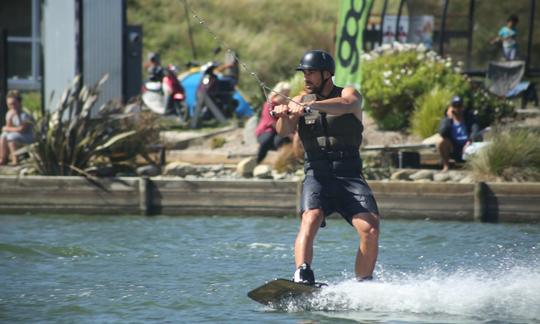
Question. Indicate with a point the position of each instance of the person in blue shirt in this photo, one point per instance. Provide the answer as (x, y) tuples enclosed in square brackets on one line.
[(507, 35), (458, 129)]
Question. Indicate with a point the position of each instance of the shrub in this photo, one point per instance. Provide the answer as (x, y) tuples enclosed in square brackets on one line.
[(217, 142), (512, 155), (429, 110), (489, 108), (32, 102), (297, 84), (69, 139), (394, 76)]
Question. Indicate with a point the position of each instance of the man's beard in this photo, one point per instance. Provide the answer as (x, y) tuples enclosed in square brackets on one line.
[(312, 89)]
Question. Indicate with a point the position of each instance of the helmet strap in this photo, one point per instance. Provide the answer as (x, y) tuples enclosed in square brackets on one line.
[(323, 84)]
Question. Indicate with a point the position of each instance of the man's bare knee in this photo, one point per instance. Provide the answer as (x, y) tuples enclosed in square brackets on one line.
[(371, 234), (312, 217)]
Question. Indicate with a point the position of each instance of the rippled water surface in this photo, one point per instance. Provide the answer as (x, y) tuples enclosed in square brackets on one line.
[(199, 269)]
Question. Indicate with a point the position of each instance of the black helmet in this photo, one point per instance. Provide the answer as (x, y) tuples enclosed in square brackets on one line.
[(317, 60)]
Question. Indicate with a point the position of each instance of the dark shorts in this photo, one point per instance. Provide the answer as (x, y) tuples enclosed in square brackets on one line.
[(346, 194), (457, 151)]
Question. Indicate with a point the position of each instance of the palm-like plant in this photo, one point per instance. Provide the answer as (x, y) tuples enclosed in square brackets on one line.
[(69, 139)]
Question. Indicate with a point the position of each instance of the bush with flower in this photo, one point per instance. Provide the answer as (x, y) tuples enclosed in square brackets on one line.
[(395, 76)]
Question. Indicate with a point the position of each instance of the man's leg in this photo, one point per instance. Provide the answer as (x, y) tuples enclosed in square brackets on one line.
[(303, 246), (445, 148), (367, 226), (266, 142)]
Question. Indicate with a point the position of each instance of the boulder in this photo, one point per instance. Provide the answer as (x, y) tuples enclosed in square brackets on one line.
[(401, 175), (441, 177), (245, 167), (262, 171), (279, 175), (422, 174), (179, 169), (148, 170)]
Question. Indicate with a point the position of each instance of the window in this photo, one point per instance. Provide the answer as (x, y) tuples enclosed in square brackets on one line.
[(21, 19)]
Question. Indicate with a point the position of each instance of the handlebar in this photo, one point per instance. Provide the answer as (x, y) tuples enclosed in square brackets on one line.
[(307, 111)]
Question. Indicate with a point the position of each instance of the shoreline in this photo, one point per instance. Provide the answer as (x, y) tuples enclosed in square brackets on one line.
[(482, 201)]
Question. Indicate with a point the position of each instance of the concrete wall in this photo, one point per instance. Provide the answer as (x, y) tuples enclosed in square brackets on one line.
[(69, 195), (504, 202)]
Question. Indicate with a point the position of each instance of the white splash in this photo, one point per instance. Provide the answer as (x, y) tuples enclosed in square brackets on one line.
[(510, 296)]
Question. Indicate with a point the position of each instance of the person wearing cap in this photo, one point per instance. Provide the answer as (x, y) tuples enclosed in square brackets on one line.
[(458, 129), (331, 135)]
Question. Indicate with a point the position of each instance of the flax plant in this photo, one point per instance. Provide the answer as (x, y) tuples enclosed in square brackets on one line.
[(72, 137)]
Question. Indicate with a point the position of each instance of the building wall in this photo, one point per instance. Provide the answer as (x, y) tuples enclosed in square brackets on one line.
[(94, 53), (59, 48), (102, 46)]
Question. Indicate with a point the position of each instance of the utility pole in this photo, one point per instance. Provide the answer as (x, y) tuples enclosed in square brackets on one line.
[(190, 32)]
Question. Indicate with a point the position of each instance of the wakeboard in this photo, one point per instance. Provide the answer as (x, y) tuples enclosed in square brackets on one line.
[(276, 290)]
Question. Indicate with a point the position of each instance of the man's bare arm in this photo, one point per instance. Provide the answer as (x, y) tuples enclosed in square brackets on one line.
[(350, 102)]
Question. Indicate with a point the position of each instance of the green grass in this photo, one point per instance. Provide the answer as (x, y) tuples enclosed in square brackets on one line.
[(32, 102), (513, 155), (429, 111), (269, 36)]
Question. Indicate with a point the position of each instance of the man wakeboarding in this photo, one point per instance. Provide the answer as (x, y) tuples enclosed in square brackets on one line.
[(331, 135)]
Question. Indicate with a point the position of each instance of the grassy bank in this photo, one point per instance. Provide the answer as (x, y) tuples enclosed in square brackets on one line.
[(266, 35)]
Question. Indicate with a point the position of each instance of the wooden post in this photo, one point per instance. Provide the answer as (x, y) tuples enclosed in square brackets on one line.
[(144, 196), (480, 207), (3, 76)]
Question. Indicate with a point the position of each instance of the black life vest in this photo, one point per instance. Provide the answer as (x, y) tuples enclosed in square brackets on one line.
[(331, 132)]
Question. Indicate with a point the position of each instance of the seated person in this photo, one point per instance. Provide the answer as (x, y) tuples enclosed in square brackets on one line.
[(458, 129), (265, 131), (18, 128)]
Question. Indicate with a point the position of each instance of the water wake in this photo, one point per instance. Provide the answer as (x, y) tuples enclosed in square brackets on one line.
[(467, 295)]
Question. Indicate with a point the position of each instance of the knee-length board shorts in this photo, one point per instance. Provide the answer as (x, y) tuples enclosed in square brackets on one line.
[(346, 194)]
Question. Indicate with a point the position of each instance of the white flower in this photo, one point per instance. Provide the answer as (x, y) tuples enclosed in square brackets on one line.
[(386, 74)]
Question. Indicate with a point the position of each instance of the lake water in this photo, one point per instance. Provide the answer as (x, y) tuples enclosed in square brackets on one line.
[(87, 269)]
